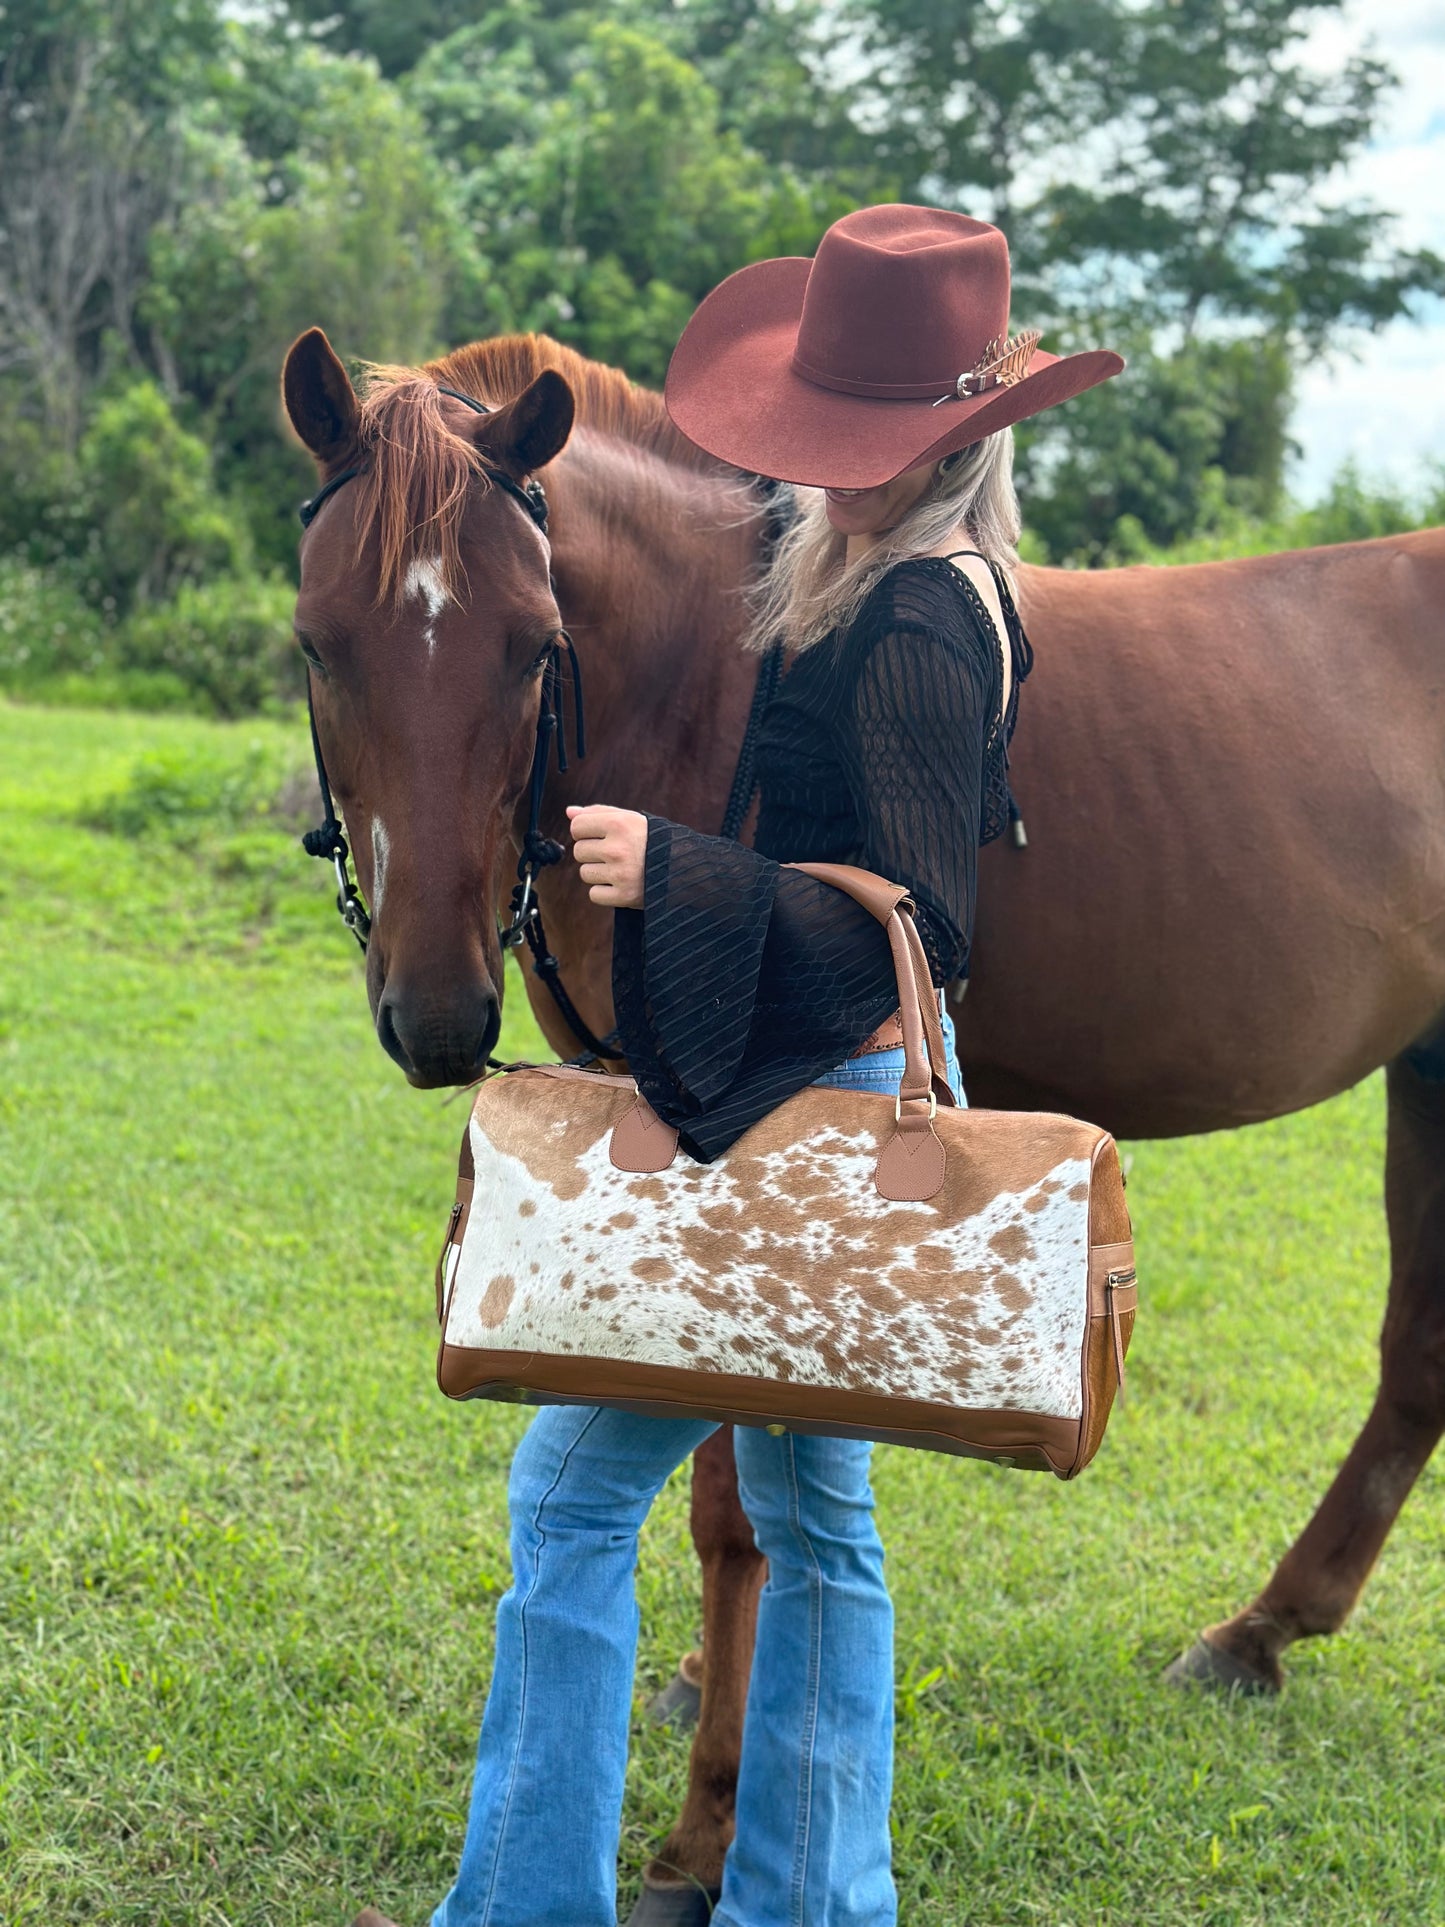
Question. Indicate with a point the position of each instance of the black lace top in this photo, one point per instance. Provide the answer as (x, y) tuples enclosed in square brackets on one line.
[(739, 982)]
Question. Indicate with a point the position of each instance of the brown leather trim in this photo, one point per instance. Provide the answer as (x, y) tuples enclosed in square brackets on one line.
[(447, 1243), (888, 1036), (913, 1164), (918, 1078), (1111, 1249), (929, 1009), (640, 1141), (1029, 1440), (918, 1010), (1108, 1213), (1098, 1386)]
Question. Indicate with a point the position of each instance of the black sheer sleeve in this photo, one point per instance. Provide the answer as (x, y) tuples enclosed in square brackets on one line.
[(914, 749), (738, 983)]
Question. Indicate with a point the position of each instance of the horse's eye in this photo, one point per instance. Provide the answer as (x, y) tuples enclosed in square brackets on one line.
[(542, 657), (308, 649)]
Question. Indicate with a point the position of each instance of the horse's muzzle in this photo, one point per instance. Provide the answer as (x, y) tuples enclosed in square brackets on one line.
[(438, 1043)]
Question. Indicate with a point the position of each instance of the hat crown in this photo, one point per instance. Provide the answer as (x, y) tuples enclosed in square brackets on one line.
[(901, 300)]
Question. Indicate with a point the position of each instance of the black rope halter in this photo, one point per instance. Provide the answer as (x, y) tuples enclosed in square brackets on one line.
[(327, 841)]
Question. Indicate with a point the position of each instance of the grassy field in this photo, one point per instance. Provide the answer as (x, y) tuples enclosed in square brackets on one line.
[(249, 1556)]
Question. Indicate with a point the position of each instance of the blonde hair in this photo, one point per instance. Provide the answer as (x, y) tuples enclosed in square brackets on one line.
[(810, 588)]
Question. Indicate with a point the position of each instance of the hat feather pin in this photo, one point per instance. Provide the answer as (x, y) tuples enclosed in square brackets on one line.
[(1001, 365)]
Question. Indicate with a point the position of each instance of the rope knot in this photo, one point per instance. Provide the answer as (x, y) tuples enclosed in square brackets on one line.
[(540, 851), (327, 841)]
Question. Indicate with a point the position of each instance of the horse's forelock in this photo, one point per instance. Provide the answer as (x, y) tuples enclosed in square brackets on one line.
[(414, 485)]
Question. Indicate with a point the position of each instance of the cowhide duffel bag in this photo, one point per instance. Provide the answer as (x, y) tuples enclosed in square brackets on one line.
[(882, 1268)]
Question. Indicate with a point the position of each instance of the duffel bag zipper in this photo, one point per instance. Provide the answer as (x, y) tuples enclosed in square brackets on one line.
[(1116, 1281)]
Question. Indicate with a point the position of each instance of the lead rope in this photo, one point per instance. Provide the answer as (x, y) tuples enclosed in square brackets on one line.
[(739, 797), (539, 852)]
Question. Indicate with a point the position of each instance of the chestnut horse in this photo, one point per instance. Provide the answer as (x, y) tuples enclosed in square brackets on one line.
[(1232, 904)]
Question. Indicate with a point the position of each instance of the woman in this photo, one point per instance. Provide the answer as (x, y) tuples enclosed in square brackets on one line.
[(880, 373)]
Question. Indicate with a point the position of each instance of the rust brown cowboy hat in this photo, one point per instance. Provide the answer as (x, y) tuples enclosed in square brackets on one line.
[(890, 347)]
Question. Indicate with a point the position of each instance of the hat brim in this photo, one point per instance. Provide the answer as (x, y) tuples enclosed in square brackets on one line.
[(732, 389)]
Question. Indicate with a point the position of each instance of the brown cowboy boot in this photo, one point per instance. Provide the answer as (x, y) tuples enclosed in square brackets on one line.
[(369, 1917)]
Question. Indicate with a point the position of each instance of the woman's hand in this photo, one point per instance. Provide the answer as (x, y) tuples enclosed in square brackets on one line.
[(610, 847)]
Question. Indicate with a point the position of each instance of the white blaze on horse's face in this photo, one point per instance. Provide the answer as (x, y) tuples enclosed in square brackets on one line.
[(424, 584), (380, 851)]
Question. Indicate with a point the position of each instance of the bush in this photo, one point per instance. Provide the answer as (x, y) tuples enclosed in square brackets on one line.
[(228, 642), (1191, 444), (40, 514), (221, 648), (46, 630), (1355, 508), (178, 794), (151, 508)]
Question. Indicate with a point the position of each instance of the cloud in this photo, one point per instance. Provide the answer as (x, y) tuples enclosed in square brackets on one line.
[(1386, 410)]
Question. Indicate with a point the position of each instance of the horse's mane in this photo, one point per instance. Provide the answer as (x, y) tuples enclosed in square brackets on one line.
[(498, 370), (418, 470)]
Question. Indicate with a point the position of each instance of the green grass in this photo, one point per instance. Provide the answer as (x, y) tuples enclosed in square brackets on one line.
[(250, 1555)]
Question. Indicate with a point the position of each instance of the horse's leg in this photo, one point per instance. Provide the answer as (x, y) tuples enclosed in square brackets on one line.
[(682, 1881), (1321, 1576)]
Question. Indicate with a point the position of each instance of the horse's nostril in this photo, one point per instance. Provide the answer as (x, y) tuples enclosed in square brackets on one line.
[(491, 1031), (390, 1042)]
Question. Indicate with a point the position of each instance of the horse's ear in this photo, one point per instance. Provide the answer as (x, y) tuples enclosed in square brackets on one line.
[(529, 431), (319, 397)]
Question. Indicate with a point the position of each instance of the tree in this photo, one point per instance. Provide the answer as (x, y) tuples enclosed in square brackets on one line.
[(1188, 441), (1169, 162), (148, 497), (600, 184), (312, 198), (86, 174), (185, 184), (396, 37), (1163, 170)]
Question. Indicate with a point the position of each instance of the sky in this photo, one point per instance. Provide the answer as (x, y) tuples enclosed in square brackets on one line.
[(1386, 409)]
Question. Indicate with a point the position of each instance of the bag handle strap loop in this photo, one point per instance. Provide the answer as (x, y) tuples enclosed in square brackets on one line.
[(926, 1066)]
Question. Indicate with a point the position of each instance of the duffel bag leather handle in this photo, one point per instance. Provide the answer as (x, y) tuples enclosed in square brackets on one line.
[(886, 900), (912, 1162)]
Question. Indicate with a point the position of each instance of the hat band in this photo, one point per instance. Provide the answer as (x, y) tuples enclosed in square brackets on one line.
[(878, 390), (1002, 364)]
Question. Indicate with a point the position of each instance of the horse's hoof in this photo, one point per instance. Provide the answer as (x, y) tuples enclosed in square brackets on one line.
[(1208, 1665), (675, 1905), (678, 1704)]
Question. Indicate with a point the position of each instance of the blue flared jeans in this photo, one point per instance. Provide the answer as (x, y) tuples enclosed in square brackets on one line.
[(812, 1845)]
